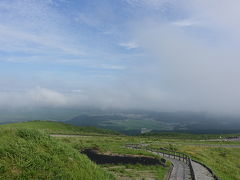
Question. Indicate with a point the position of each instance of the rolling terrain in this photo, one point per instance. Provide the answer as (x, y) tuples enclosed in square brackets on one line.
[(30, 154), (133, 123), (129, 122), (23, 144)]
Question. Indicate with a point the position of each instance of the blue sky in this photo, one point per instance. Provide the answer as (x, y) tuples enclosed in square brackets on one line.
[(149, 54)]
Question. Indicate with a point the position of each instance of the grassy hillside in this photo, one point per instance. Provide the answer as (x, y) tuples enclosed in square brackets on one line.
[(115, 145), (53, 127), (224, 161), (29, 154)]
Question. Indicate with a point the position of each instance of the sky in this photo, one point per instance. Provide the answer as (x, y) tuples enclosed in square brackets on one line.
[(163, 55)]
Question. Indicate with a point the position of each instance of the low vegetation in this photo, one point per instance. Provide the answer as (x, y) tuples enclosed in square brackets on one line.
[(224, 161), (53, 127), (186, 136), (135, 171), (26, 152), (29, 154)]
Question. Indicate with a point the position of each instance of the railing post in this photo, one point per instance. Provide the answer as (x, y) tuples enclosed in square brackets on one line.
[(191, 170)]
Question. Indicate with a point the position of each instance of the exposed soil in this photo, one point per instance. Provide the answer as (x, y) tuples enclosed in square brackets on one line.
[(99, 158)]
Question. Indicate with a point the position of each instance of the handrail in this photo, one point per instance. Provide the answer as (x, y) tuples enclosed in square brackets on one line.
[(184, 157), (209, 169), (167, 177), (191, 169)]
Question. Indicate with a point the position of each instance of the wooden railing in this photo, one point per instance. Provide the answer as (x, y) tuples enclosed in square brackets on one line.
[(167, 177), (209, 169), (176, 155), (171, 154), (181, 157)]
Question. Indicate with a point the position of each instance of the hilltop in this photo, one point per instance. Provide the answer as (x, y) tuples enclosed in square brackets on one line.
[(53, 127), (28, 152), (31, 154)]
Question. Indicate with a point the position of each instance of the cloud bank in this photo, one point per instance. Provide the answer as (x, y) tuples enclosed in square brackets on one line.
[(163, 55)]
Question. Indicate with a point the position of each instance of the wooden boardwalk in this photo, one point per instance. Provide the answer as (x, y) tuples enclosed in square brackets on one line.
[(201, 172), (181, 169)]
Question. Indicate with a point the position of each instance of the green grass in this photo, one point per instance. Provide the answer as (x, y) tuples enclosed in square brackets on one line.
[(53, 127), (30, 154), (186, 136), (115, 144), (137, 170), (136, 124), (26, 153), (225, 162)]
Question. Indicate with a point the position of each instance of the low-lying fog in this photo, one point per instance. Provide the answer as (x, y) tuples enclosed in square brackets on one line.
[(161, 55)]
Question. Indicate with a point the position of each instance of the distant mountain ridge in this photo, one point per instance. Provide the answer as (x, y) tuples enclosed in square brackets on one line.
[(135, 123)]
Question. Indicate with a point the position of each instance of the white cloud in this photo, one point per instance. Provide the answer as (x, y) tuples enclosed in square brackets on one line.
[(152, 3), (35, 29), (87, 19), (36, 97), (46, 97), (196, 73), (15, 40), (190, 59), (187, 22), (112, 67), (129, 45)]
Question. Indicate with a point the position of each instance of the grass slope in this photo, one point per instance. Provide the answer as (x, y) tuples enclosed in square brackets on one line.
[(53, 127), (30, 154), (225, 162)]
